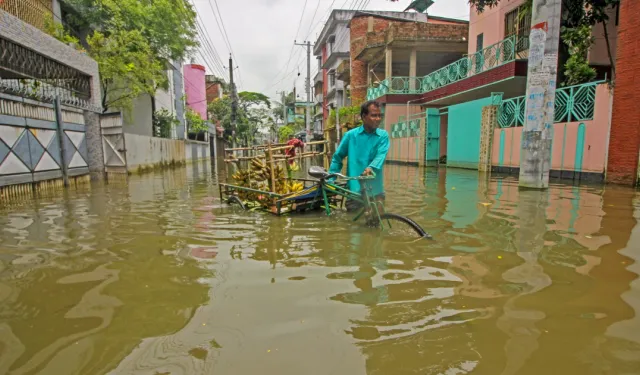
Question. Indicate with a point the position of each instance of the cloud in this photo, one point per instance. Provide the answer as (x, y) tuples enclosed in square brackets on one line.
[(262, 32)]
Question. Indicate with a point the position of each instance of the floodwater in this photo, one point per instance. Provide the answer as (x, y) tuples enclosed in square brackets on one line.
[(159, 277)]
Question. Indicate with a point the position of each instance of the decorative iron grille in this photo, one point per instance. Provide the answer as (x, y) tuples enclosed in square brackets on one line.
[(22, 63), (573, 103)]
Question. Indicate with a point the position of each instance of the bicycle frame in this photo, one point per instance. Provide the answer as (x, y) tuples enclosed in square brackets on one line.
[(369, 203)]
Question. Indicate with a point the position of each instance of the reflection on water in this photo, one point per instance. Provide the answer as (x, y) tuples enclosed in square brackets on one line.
[(159, 277)]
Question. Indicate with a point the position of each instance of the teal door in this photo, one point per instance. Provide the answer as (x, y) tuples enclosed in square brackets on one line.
[(432, 153)]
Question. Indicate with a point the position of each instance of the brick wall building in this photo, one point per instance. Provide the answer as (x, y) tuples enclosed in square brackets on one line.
[(624, 142), (360, 26), (386, 44), (214, 88)]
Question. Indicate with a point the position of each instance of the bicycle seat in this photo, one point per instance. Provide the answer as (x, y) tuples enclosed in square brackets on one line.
[(318, 172)]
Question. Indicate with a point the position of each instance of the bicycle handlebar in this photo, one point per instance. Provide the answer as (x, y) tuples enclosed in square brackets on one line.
[(357, 178)]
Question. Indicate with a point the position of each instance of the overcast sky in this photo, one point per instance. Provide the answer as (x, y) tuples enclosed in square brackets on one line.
[(261, 34)]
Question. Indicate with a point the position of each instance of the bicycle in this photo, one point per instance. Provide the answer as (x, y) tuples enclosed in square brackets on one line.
[(371, 208)]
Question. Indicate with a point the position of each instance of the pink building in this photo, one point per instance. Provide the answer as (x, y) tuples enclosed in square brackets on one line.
[(195, 89)]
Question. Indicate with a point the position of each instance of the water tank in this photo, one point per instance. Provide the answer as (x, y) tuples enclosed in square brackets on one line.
[(195, 89)]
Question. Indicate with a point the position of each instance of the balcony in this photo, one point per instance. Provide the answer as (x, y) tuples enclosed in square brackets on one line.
[(33, 12), (492, 57), (407, 35), (318, 77), (343, 72)]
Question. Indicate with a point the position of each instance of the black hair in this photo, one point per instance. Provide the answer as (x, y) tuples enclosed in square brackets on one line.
[(364, 108)]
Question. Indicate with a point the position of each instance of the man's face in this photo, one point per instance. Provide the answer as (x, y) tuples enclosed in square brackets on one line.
[(373, 118)]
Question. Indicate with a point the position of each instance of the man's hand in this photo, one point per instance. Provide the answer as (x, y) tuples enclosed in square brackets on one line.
[(368, 172)]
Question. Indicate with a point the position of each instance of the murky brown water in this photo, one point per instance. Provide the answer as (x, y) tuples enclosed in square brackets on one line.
[(158, 277)]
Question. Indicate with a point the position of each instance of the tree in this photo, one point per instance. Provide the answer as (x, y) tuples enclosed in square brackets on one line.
[(164, 122), (253, 115), (132, 40), (195, 123), (126, 71)]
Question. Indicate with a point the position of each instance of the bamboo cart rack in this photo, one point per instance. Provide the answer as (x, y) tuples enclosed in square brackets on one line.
[(269, 200)]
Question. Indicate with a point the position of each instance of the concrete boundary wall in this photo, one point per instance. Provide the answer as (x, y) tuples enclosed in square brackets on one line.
[(147, 153)]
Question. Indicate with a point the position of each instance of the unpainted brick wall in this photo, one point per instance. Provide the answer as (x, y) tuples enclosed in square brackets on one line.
[(624, 142)]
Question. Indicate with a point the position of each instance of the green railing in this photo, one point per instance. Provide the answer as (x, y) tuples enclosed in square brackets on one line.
[(573, 103), (491, 57)]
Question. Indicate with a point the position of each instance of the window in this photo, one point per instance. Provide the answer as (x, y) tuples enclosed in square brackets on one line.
[(515, 23), (479, 41), (332, 80)]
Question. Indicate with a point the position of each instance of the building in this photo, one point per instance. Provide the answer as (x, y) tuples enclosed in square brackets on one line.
[(298, 112), (437, 113), (214, 88), (331, 49)]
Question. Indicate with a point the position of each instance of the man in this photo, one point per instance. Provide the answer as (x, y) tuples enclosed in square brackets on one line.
[(291, 152), (365, 148)]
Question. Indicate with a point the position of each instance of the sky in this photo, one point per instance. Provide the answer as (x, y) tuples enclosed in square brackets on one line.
[(261, 35)]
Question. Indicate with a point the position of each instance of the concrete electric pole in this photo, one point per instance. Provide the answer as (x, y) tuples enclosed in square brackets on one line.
[(308, 88), (234, 103), (537, 135)]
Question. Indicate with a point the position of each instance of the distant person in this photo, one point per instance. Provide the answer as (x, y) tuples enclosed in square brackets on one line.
[(365, 148), (291, 152)]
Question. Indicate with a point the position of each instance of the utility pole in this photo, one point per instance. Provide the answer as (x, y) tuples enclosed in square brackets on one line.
[(284, 108), (308, 87), (234, 103), (537, 134)]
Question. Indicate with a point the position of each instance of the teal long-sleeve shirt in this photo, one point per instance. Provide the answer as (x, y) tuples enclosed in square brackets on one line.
[(363, 150)]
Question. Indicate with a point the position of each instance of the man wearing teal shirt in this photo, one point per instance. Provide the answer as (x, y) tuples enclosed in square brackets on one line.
[(365, 148)]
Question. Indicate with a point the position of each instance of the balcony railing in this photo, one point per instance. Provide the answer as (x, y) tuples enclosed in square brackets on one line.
[(33, 12), (573, 103), (491, 57)]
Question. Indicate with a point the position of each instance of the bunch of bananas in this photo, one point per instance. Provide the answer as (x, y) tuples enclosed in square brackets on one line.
[(258, 176)]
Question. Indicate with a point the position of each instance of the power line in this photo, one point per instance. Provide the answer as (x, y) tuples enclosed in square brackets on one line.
[(227, 38), (203, 32), (291, 51), (312, 19)]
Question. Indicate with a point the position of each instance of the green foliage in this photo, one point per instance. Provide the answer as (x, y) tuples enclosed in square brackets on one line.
[(58, 31), (169, 26), (284, 132), (164, 121), (579, 40), (126, 69), (195, 124), (346, 115), (132, 41), (253, 114)]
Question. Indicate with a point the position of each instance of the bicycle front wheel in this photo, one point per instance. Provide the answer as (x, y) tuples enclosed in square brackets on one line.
[(393, 221)]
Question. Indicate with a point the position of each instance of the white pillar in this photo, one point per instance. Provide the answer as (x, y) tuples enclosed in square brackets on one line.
[(388, 67), (413, 69)]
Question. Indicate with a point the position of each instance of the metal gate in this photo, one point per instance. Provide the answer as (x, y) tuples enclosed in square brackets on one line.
[(432, 137), (113, 144)]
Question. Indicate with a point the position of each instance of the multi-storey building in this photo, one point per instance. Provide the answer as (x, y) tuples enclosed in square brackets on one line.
[(331, 49), (436, 113)]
